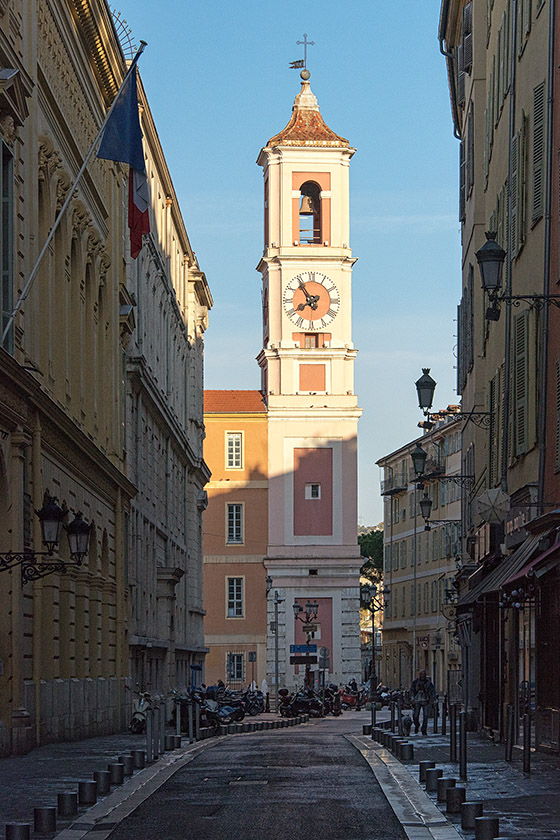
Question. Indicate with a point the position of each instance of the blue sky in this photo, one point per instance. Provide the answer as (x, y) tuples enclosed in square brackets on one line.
[(219, 86)]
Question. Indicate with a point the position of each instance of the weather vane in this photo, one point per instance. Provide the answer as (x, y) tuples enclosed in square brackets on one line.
[(302, 62)]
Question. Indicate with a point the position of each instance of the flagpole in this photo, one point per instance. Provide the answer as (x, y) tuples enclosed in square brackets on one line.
[(68, 199)]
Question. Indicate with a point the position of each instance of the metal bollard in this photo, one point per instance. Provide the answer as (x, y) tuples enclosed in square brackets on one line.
[(453, 732), (44, 820), (431, 779), (366, 729), (510, 732), (444, 716), (392, 705), (169, 741), (150, 736), (526, 743), (463, 746), (127, 762), (223, 729), (454, 798), (443, 785), (197, 723), (486, 828), (191, 723), (407, 752), (87, 792), (162, 728), (177, 718), (178, 741), (139, 759), (18, 831), (67, 804), (103, 779), (469, 812), (436, 715), (422, 767), (399, 717), (116, 770)]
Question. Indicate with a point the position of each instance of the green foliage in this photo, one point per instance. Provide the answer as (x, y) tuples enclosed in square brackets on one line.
[(371, 547)]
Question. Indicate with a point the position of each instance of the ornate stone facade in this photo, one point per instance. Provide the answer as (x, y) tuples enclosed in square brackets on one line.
[(64, 403)]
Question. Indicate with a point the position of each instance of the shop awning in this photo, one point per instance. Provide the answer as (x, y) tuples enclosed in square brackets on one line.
[(509, 567), (539, 565)]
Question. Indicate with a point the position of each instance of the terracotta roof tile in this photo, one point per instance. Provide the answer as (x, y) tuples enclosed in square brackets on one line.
[(232, 402), (307, 128)]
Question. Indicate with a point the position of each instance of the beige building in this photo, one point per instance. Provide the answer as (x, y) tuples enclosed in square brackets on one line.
[(164, 437), (64, 638), (420, 564)]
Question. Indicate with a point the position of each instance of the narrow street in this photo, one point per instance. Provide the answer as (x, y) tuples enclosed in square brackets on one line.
[(305, 782)]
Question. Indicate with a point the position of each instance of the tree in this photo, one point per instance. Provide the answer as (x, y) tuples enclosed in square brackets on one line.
[(371, 547)]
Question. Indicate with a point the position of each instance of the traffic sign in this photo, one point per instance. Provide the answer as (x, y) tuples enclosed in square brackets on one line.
[(324, 651), (303, 648), (303, 660)]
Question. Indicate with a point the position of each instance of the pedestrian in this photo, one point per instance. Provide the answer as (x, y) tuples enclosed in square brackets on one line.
[(423, 695)]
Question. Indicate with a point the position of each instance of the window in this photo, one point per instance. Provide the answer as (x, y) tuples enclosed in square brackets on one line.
[(538, 152), (312, 491), (6, 245), (234, 450), (311, 340), (235, 524), (234, 597), (236, 666), (310, 214)]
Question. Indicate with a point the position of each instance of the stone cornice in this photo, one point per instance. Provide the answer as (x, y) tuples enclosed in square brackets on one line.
[(95, 25)]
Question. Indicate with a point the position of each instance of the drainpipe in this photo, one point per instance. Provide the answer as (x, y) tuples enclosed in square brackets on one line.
[(450, 68), (507, 336), (546, 278)]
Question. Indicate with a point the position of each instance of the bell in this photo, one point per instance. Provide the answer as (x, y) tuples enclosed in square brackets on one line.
[(306, 204)]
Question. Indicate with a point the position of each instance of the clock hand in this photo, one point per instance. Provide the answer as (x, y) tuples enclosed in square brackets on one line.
[(304, 290)]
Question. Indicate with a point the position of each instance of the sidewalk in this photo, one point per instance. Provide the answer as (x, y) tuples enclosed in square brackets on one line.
[(528, 806), (34, 780)]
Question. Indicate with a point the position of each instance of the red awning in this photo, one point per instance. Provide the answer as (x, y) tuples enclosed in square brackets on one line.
[(532, 565)]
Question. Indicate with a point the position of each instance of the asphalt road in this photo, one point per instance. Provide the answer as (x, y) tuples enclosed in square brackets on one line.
[(306, 781)]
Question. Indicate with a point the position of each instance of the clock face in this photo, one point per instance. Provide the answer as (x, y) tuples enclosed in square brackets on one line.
[(311, 300)]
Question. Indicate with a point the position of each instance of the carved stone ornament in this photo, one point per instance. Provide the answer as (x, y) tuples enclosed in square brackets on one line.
[(80, 219), (62, 187), (49, 159)]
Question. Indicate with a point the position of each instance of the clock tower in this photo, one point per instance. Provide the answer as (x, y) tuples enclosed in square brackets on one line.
[(307, 378)]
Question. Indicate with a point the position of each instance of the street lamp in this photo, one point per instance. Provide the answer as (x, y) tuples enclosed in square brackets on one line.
[(277, 600), (370, 601), (51, 517), (311, 610), (425, 388), (490, 260)]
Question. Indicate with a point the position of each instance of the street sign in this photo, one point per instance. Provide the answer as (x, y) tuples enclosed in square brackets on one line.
[(310, 628), (252, 656), (303, 660), (324, 662), (303, 648)]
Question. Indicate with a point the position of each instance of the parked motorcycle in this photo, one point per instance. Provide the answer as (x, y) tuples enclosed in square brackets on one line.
[(305, 701), (142, 702), (352, 699)]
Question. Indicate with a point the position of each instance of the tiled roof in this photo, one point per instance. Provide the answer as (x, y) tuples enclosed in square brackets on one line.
[(232, 402), (307, 127)]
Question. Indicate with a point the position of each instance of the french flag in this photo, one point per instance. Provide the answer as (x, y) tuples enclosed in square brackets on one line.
[(122, 141)]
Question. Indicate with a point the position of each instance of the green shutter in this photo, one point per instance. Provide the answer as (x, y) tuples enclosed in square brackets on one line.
[(514, 196), (538, 152), (520, 382)]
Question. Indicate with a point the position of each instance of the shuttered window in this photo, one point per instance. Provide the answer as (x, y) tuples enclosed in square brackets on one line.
[(517, 216), (467, 38), (520, 382), (460, 76), (462, 181), (538, 152), (470, 151), (557, 458)]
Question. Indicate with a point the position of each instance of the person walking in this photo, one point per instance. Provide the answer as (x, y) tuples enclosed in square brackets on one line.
[(423, 694)]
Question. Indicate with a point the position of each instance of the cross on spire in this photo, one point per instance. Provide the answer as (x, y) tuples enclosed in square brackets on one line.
[(305, 44)]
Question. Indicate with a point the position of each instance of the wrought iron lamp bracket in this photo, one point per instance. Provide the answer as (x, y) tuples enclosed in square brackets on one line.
[(32, 568)]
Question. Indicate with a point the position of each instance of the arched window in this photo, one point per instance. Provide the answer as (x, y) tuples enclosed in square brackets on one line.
[(310, 214)]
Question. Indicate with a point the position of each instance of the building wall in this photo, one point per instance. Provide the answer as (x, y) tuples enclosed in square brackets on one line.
[(420, 565), (247, 486), (63, 392), (165, 434)]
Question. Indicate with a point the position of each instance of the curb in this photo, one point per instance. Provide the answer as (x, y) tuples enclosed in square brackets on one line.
[(419, 817), (99, 821)]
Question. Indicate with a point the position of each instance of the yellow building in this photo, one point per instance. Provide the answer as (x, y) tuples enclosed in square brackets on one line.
[(420, 563), (64, 637)]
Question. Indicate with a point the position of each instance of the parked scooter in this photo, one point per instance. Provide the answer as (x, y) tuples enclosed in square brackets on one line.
[(142, 702)]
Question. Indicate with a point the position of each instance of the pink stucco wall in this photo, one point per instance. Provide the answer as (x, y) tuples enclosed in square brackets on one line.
[(313, 517)]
